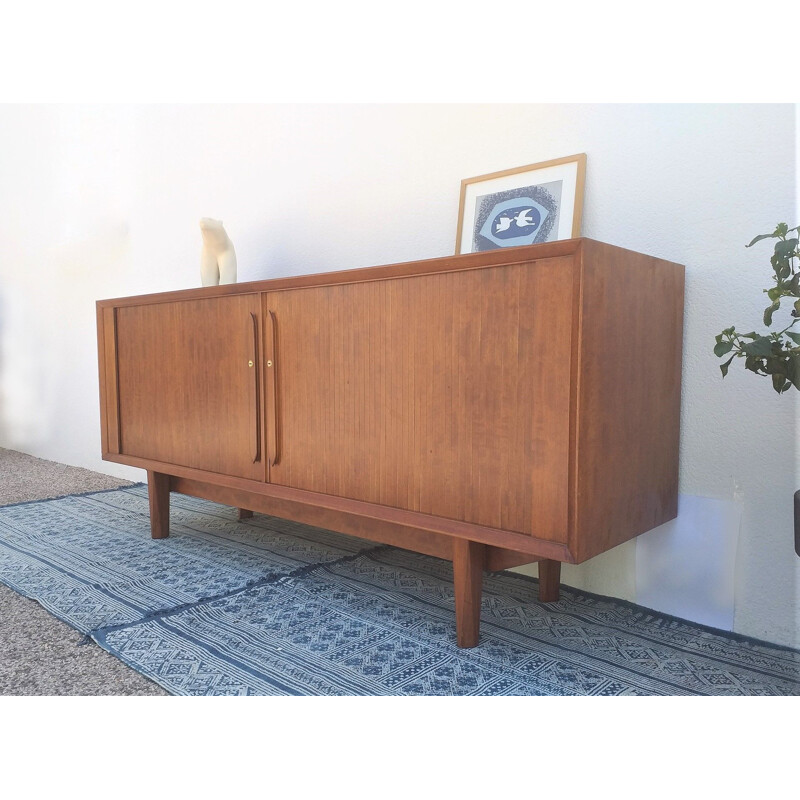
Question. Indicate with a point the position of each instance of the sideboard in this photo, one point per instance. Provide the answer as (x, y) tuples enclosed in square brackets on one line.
[(494, 409)]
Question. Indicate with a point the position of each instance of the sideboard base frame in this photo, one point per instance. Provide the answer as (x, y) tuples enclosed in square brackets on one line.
[(470, 558)]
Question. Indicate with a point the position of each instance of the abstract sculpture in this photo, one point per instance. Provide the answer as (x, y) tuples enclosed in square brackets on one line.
[(218, 258)]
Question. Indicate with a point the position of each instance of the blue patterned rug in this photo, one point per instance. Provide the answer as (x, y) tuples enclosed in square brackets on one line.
[(270, 607)]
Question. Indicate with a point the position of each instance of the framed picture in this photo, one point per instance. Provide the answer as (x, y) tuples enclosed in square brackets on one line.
[(527, 205)]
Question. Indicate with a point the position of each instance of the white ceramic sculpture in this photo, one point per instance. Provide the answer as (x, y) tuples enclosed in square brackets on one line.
[(218, 258)]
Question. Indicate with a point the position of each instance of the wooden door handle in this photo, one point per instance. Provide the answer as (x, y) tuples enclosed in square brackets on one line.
[(273, 365), (253, 364)]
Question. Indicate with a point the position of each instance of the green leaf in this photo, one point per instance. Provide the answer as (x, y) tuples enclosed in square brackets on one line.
[(793, 370), (724, 367), (782, 229), (751, 335), (774, 293), (722, 348), (718, 338), (795, 337), (780, 383), (782, 267), (775, 365), (768, 312), (786, 248), (763, 236), (760, 348), (754, 364)]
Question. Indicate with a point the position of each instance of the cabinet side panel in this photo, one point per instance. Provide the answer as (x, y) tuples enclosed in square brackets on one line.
[(101, 374), (109, 378), (629, 392)]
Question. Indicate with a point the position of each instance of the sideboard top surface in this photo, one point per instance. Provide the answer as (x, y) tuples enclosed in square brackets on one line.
[(482, 260)]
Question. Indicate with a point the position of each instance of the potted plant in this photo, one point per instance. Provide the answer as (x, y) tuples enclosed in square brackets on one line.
[(775, 354)]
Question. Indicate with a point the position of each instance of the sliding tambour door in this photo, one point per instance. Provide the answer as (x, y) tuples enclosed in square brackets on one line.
[(189, 383), (446, 393)]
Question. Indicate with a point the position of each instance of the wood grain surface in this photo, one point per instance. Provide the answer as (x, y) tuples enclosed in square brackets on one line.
[(158, 495), (469, 559), (446, 394), (188, 384), (312, 278), (628, 397), (527, 393)]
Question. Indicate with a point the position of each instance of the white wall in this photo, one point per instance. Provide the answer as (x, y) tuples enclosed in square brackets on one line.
[(104, 202)]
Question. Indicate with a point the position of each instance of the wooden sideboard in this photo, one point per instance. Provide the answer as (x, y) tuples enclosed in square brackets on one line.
[(494, 409)]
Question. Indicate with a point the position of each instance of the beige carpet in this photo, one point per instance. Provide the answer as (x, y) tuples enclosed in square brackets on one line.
[(24, 478), (40, 655)]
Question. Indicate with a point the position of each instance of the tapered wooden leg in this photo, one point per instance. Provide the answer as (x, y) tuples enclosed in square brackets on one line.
[(158, 489), (549, 579), (244, 514), (469, 559)]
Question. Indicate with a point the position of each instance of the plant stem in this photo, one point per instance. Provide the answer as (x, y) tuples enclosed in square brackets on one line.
[(787, 328)]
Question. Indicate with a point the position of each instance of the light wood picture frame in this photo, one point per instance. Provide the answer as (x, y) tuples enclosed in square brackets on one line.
[(526, 205)]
